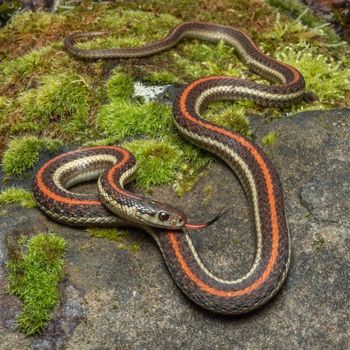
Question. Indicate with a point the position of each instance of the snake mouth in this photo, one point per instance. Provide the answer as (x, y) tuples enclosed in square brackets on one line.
[(195, 227)]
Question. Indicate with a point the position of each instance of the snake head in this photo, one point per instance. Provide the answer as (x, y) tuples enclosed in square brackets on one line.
[(163, 215)]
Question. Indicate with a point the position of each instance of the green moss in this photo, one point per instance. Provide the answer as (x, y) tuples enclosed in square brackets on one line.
[(182, 176), (198, 59), (63, 98), (223, 11), (138, 23), (112, 234), (298, 10), (35, 272), (24, 66), (325, 77), (135, 248), (292, 32), (17, 195), (5, 106), (231, 115), (270, 138), (192, 162), (208, 192), (128, 28), (318, 245), (156, 161), (105, 42), (162, 77), (186, 179), (4, 102), (205, 52), (324, 65), (119, 85), (121, 118), (23, 153), (32, 23)]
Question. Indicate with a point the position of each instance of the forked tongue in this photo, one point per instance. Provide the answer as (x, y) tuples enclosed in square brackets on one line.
[(195, 227)]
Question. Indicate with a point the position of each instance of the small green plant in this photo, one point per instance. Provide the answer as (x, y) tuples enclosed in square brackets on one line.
[(112, 234), (33, 23), (5, 104), (270, 138), (119, 85), (156, 161), (62, 98), (231, 115), (24, 66), (115, 235), (324, 76), (17, 195), (23, 153), (297, 9), (138, 23), (35, 271), (121, 118), (162, 77)]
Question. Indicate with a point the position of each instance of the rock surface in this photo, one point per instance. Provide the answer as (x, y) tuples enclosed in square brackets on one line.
[(119, 299)]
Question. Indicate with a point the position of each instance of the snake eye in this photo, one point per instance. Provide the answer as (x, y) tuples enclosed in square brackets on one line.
[(163, 216)]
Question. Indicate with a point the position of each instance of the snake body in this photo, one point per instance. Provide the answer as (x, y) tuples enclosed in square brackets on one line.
[(253, 168)]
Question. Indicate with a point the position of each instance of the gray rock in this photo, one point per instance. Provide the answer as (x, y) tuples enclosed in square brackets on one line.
[(324, 195), (117, 299)]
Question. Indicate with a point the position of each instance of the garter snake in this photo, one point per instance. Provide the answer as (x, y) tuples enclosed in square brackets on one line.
[(247, 160)]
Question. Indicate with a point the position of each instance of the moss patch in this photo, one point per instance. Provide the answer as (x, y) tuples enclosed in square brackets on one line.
[(231, 115), (298, 10), (119, 85), (157, 161), (110, 233), (28, 30), (324, 76), (17, 195), (270, 138), (121, 118), (114, 235), (59, 99), (159, 156), (24, 66), (162, 77), (23, 153), (35, 272)]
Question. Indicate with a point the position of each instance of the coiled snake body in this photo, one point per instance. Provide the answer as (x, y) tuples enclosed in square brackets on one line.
[(255, 171)]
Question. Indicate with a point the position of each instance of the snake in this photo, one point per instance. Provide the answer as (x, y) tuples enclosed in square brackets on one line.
[(114, 166)]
